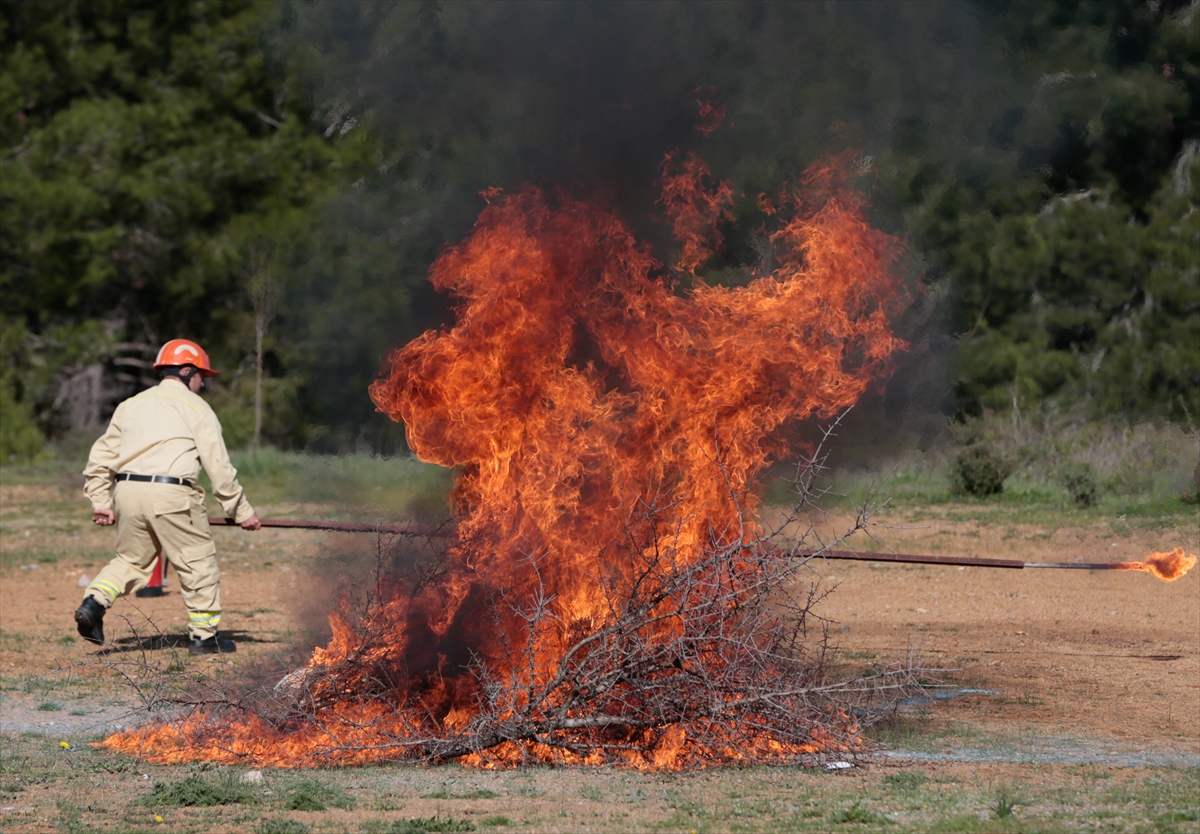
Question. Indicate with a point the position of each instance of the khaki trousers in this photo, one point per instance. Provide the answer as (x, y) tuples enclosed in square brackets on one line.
[(153, 517)]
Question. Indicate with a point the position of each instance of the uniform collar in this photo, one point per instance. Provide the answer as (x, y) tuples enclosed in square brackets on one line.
[(172, 381)]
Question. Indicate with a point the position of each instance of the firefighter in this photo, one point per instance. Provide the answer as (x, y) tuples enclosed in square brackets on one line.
[(152, 452)]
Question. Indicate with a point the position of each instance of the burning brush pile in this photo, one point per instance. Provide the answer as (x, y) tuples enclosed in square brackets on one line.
[(611, 594)]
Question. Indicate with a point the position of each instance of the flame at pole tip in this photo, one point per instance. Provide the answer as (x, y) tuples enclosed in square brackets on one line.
[(1166, 566)]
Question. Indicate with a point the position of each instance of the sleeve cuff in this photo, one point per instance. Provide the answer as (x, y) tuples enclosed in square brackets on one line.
[(244, 512)]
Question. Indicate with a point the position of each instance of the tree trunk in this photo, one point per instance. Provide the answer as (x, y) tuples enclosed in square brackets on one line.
[(259, 326)]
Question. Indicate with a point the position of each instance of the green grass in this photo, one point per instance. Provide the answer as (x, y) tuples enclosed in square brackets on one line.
[(855, 813), (1004, 804), (199, 792), (432, 825), (1141, 472), (282, 826), (1051, 798), (443, 793), (314, 795), (905, 780), (591, 792), (360, 485)]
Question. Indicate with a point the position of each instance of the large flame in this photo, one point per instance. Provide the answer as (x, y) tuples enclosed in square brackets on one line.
[(577, 388), (1166, 566)]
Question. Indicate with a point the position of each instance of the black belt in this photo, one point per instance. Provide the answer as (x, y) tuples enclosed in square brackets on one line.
[(155, 479)]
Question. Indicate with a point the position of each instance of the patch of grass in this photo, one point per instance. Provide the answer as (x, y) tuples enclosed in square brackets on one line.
[(392, 484), (313, 795), (50, 706), (1169, 786), (199, 792), (905, 780), (443, 793), (432, 825), (1178, 816), (496, 822), (1005, 802), (282, 826), (1138, 473), (859, 655), (901, 732), (591, 792), (855, 813)]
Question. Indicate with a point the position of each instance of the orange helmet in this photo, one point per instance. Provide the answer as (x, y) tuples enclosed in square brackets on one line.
[(184, 352)]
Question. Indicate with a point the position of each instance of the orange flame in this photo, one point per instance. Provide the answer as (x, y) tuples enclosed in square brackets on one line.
[(712, 112), (577, 387), (1166, 566)]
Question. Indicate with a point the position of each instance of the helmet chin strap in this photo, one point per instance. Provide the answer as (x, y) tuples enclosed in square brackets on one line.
[(183, 373)]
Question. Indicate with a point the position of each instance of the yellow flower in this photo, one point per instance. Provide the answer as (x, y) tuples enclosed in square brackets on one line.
[(64, 745), (158, 818)]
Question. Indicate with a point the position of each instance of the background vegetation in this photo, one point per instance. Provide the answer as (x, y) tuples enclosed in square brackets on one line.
[(158, 162)]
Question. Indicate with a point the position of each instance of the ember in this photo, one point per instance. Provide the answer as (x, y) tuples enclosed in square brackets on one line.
[(609, 595), (1166, 566)]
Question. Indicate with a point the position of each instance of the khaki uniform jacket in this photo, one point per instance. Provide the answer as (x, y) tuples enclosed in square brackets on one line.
[(165, 430)]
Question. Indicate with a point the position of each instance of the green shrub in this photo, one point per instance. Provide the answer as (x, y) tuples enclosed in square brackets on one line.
[(311, 795), (432, 825), (20, 439), (282, 826), (977, 470), (1080, 481), (1193, 496), (199, 792), (855, 813), (443, 793)]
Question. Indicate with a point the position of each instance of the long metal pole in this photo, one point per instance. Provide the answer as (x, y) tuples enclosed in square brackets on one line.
[(340, 526), (961, 561), (902, 558)]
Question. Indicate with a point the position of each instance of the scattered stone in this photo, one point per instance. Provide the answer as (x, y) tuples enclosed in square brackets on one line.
[(29, 567), (84, 581), (251, 777)]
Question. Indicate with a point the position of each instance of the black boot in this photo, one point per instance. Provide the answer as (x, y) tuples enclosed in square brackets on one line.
[(150, 591), (212, 645), (89, 619)]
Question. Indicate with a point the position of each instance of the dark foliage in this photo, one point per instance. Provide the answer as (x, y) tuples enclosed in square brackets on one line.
[(979, 471), (1080, 481), (1041, 159)]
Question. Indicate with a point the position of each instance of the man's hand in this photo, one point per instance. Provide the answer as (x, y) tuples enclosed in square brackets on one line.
[(252, 523), (105, 518)]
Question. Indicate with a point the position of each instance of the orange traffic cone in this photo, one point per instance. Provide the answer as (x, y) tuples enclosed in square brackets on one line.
[(156, 587)]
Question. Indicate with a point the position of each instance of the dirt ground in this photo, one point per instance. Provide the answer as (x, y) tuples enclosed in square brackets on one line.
[(1074, 665), (1049, 671)]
